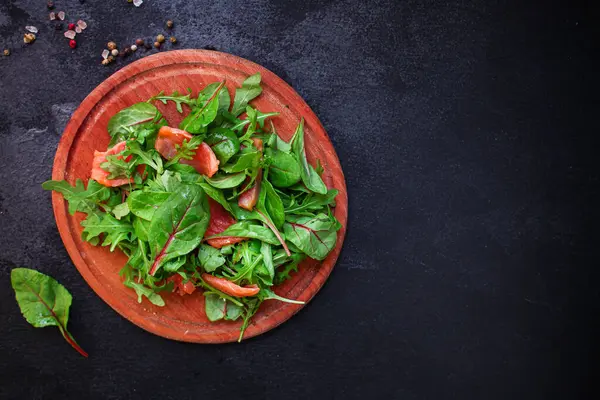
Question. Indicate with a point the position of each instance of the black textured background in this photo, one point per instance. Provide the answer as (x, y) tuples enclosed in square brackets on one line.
[(465, 130)]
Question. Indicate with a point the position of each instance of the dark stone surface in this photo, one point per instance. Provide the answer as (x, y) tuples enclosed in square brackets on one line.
[(464, 132)]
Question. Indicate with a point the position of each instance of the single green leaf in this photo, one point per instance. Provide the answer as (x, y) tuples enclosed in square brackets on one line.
[(120, 210), (233, 311), (43, 301), (272, 203), (173, 264), (129, 117), (309, 176), (224, 143), (250, 89), (202, 116), (217, 195), (226, 181), (210, 258), (178, 225), (144, 204), (247, 229), (266, 294), (215, 307), (315, 236), (178, 99), (290, 264), (78, 197), (313, 202), (141, 228), (265, 250), (243, 161), (284, 169), (142, 291)]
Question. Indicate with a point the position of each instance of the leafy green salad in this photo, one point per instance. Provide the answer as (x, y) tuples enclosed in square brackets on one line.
[(222, 203)]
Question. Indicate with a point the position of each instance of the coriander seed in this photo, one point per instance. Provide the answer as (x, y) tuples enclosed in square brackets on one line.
[(170, 24), (28, 38), (160, 38), (157, 45), (173, 39), (6, 52), (111, 45)]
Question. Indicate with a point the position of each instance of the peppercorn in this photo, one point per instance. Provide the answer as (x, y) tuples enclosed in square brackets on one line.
[(72, 43), (139, 42), (157, 45), (58, 27), (160, 38), (6, 52), (114, 52), (28, 37), (170, 24), (133, 47), (173, 39), (148, 46), (105, 61), (50, 5), (111, 45), (71, 27)]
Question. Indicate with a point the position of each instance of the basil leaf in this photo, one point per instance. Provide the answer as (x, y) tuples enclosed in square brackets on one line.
[(78, 197), (247, 229), (216, 195), (210, 258), (43, 301), (137, 114), (242, 161), (309, 176), (214, 306), (284, 170), (315, 236), (222, 181), (144, 204), (224, 143), (249, 90), (178, 225)]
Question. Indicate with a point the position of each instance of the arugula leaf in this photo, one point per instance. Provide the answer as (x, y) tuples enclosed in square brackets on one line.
[(309, 176), (120, 210), (224, 143), (315, 236), (178, 225), (260, 119), (266, 294), (114, 230), (201, 117), (284, 169), (187, 150), (252, 306), (142, 290), (249, 90), (175, 97), (216, 195), (226, 181), (144, 204), (80, 198), (247, 229), (43, 301), (210, 258), (139, 113), (150, 157), (313, 202)]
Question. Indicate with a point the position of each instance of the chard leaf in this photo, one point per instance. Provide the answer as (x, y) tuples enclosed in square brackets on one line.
[(144, 204), (178, 225), (309, 176), (250, 89), (315, 236), (202, 116), (284, 169), (248, 229), (224, 143), (43, 301), (128, 118)]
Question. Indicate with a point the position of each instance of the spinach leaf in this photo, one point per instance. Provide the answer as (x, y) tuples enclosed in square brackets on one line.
[(215, 306), (43, 301), (121, 210), (80, 198), (315, 236), (242, 161), (178, 225), (224, 98), (224, 143), (210, 258), (144, 204), (122, 122), (247, 229), (216, 195), (270, 201), (249, 90), (226, 181), (201, 117), (309, 176), (284, 169), (233, 311), (141, 228), (114, 230)]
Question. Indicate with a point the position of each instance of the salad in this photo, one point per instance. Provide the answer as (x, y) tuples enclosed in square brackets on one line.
[(219, 204)]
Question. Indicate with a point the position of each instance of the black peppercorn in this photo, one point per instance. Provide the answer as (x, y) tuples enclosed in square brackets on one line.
[(50, 5)]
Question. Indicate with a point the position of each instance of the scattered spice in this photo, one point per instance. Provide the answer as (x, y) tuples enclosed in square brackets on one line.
[(157, 45), (133, 47), (111, 45), (111, 58), (78, 29), (70, 34), (137, 3), (61, 15), (72, 43), (139, 42), (50, 5), (29, 38), (71, 26), (6, 52), (114, 52), (170, 24), (82, 24), (31, 29), (105, 54), (173, 39), (160, 38), (52, 16), (106, 61)]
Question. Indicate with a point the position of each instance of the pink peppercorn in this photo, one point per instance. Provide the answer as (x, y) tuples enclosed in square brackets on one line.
[(71, 27), (72, 43)]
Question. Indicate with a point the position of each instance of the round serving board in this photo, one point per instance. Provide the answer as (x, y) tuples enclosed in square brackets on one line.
[(183, 318)]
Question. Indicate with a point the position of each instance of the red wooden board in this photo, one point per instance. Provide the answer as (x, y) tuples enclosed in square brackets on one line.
[(183, 318)]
